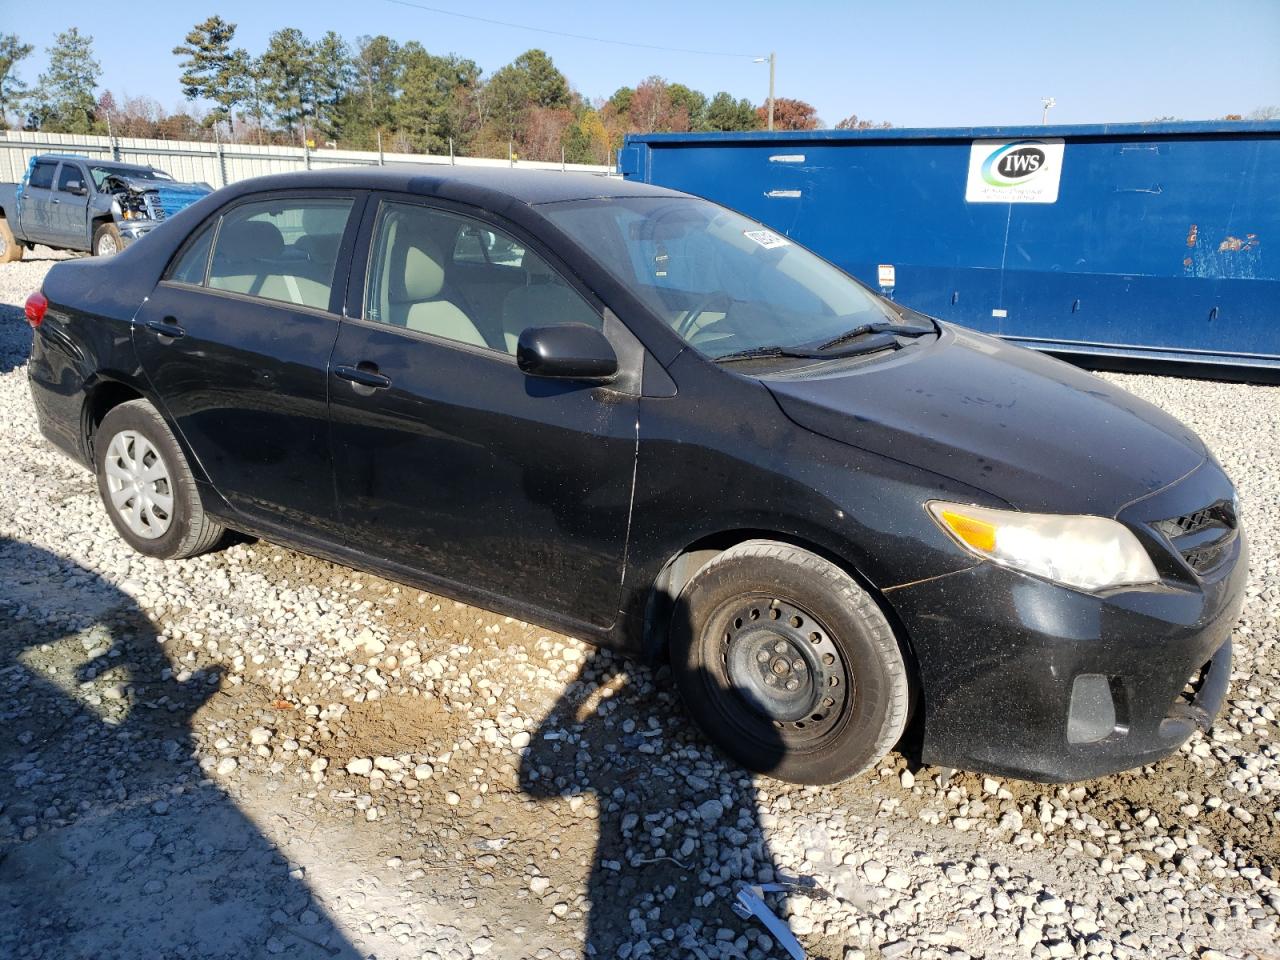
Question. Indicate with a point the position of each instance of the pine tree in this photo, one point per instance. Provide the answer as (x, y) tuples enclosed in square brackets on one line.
[(12, 90), (288, 78), (65, 102), (211, 70)]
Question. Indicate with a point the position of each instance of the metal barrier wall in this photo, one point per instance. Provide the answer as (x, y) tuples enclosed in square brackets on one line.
[(218, 164), (1143, 240)]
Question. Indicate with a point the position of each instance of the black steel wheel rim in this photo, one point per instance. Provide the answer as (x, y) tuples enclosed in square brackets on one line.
[(784, 668)]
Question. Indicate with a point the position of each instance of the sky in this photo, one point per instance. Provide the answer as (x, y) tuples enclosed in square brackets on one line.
[(914, 63)]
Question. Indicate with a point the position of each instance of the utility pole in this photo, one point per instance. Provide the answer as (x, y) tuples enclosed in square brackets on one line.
[(1048, 102), (772, 60)]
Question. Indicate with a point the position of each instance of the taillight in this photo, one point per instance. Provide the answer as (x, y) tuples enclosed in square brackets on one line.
[(37, 304)]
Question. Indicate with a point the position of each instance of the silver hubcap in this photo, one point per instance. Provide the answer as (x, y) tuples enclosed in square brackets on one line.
[(138, 485), (107, 245)]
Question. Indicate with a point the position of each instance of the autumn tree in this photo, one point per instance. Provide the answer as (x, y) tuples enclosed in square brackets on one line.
[(789, 114), (13, 90), (211, 70), (65, 101), (654, 110), (854, 122)]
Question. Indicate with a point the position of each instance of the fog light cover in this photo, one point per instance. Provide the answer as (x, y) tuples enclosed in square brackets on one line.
[(1088, 553), (1093, 712)]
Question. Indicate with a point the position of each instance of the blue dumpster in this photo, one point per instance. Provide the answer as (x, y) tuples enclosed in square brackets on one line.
[(1138, 240)]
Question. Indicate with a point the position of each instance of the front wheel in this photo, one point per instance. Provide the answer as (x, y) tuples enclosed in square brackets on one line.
[(10, 249), (147, 486), (788, 665), (107, 240)]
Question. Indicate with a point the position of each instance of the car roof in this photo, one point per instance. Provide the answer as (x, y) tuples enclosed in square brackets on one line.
[(470, 184), (115, 164)]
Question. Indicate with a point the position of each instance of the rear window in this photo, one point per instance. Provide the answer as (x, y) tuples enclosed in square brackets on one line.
[(42, 175), (281, 249)]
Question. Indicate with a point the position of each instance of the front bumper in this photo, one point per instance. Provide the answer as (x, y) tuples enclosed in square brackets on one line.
[(131, 230), (1026, 678)]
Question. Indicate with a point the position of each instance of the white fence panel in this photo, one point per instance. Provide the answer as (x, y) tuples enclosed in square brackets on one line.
[(220, 164)]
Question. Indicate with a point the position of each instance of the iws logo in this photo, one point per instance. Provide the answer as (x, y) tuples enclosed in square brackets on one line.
[(1014, 171), (1013, 164)]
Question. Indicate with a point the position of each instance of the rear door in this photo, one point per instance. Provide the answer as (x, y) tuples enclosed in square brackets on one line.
[(236, 342), (448, 459), (69, 214)]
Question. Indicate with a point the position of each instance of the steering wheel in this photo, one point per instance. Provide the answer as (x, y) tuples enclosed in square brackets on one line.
[(699, 309)]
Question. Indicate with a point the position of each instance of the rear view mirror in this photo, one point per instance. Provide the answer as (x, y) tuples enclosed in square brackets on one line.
[(77, 187), (567, 351)]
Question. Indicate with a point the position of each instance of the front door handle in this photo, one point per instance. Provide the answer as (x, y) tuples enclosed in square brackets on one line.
[(363, 377), (166, 330)]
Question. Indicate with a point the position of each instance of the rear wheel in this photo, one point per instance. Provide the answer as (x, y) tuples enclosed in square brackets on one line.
[(788, 665), (147, 486), (107, 240), (10, 248)]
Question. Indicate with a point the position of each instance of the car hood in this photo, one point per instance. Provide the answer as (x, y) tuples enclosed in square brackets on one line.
[(1036, 432)]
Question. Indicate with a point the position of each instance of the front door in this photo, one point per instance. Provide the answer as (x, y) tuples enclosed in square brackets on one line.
[(236, 342), (70, 210), (451, 461)]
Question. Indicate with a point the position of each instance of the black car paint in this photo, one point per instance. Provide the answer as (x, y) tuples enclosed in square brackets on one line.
[(586, 507)]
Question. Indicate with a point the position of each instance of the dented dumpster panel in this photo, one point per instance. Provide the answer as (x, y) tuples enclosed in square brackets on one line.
[(1145, 240)]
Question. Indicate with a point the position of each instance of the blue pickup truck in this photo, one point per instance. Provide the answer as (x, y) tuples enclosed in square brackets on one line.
[(75, 203)]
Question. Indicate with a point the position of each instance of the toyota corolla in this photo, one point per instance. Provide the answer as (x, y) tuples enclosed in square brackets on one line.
[(645, 420)]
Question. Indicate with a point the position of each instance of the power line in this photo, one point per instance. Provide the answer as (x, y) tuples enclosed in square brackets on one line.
[(562, 33)]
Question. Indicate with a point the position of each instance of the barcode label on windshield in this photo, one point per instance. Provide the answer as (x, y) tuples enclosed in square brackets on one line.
[(766, 238)]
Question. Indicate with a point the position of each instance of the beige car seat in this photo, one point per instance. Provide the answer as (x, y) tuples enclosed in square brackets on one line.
[(412, 284), (545, 300)]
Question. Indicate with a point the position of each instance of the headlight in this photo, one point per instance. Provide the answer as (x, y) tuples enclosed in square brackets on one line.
[(1088, 553)]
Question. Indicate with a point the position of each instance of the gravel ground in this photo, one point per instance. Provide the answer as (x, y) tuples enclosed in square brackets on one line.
[(256, 753)]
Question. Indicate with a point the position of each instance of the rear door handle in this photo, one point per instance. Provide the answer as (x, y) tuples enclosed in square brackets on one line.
[(363, 377), (167, 330)]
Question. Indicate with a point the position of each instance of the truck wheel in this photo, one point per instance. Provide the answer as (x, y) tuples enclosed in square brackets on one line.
[(10, 249), (788, 665), (107, 240), (147, 486)]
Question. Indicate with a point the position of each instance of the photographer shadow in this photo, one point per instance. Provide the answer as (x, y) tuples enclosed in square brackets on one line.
[(679, 830), (113, 842)]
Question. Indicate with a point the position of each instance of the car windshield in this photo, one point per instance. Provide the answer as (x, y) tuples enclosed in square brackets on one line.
[(100, 174), (726, 284)]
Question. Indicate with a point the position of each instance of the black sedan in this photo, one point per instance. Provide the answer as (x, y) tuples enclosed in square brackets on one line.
[(645, 420)]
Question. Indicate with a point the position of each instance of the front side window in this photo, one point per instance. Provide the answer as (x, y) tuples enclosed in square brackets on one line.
[(42, 175), (282, 249), (69, 174), (723, 282), (450, 276)]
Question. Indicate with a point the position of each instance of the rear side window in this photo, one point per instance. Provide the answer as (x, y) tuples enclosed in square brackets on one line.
[(42, 175), (69, 174), (284, 249), (193, 262)]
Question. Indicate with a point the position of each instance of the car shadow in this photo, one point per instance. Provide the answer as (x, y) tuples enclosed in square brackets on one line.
[(679, 830), (113, 841), (15, 337)]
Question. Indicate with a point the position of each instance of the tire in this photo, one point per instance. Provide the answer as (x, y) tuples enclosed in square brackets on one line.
[(169, 522), (763, 615), (107, 240), (11, 250)]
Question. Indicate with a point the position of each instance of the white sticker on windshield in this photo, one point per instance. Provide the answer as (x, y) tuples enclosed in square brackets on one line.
[(766, 238)]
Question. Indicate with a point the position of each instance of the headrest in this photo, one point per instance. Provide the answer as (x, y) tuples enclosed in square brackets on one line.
[(422, 274), (251, 240)]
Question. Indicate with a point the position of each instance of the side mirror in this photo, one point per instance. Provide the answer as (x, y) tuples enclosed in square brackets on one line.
[(77, 187), (567, 351)]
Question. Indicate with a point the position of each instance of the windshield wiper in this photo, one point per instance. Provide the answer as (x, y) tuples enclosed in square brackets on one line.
[(862, 329), (870, 345), (765, 353)]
